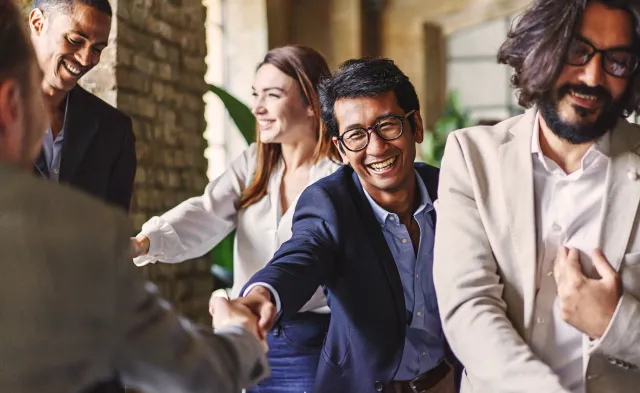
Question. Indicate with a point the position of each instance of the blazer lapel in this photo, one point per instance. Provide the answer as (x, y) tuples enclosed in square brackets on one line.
[(622, 196), (517, 186), (379, 243), (81, 124)]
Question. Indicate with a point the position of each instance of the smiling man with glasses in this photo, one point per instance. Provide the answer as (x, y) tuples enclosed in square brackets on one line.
[(366, 234), (537, 253)]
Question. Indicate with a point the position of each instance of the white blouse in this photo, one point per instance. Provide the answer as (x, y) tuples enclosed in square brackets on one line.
[(198, 224)]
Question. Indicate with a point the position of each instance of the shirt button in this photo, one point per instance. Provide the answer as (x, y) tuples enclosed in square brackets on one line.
[(419, 313), (391, 218), (556, 227), (550, 273), (404, 241), (540, 320), (417, 275), (424, 354), (55, 170)]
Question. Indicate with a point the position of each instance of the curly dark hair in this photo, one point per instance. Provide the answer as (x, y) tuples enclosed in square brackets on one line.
[(536, 47)]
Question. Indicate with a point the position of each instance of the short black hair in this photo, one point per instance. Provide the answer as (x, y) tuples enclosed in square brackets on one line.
[(366, 77), (16, 53), (67, 5)]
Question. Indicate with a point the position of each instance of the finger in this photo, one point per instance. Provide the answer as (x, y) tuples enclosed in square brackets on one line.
[(572, 262), (267, 315), (602, 266), (561, 263), (566, 267), (134, 248), (218, 305), (561, 255)]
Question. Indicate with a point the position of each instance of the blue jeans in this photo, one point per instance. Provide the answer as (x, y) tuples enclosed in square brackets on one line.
[(294, 353)]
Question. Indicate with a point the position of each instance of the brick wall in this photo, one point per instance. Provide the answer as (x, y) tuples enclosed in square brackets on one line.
[(159, 75)]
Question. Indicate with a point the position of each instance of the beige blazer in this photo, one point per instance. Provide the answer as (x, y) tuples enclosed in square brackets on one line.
[(485, 261), (74, 310)]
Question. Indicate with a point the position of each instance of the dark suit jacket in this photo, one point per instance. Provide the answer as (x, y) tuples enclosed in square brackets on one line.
[(98, 151), (338, 243)]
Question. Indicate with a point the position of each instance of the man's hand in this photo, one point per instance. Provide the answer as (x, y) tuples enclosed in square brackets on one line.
[(139, 245), (258, 301), (229, 314), (586, 304)]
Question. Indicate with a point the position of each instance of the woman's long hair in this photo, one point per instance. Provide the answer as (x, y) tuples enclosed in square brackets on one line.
[(306, 66), (536, 47)]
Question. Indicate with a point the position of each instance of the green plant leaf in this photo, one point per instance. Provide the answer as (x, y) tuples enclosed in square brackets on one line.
[(239, 112), (455, 116), (222, 254)]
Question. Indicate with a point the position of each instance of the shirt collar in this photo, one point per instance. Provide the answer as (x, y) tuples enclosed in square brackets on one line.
[(382, 215), (60, 135), (601, 148)]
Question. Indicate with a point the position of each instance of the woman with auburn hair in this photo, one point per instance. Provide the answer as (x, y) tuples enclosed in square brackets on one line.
[(256, 196)]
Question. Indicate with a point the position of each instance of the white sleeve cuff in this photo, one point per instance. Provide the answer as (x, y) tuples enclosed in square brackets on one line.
[(164, 243), (271, 289)]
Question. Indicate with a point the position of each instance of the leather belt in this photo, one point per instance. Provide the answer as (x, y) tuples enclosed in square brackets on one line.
[(425, 381)]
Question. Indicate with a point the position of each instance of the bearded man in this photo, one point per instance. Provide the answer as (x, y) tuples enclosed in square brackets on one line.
[(537, 249)]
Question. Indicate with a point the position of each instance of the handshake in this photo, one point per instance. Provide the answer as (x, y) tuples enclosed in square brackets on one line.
[(254, 312)]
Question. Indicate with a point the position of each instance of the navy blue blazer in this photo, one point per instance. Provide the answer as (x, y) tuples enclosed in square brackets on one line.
[(338, 243)]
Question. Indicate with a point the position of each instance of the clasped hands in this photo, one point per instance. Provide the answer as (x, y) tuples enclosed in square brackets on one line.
[(254, 312), (585, 303)]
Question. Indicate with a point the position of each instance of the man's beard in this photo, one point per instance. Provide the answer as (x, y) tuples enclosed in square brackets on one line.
[(580, 133)]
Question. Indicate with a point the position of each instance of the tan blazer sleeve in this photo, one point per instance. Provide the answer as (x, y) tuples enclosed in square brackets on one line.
[(621, 340), (469, 291), (157, 351)]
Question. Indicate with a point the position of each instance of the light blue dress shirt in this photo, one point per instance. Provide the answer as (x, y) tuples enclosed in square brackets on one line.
[(53, 147), (424, 342)]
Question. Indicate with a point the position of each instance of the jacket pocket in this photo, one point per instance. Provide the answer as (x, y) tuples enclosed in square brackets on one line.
[(337, 345), (304, 336)]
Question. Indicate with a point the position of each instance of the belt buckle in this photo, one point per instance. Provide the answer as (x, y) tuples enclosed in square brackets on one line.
[(413, 385)]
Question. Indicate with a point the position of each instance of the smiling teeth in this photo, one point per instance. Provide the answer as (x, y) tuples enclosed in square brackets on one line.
[(384, 164), (585, 96), (71, 68)]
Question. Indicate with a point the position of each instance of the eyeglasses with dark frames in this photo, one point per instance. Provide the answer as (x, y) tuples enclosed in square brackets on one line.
[(388, 128), (620, 62)]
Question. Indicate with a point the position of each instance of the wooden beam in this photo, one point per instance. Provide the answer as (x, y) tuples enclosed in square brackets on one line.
[(371, 21), (478, 12), (279, 22), (435, 74)]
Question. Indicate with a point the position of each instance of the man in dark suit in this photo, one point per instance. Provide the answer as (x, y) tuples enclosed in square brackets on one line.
[(366, 234), (90, 144)]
